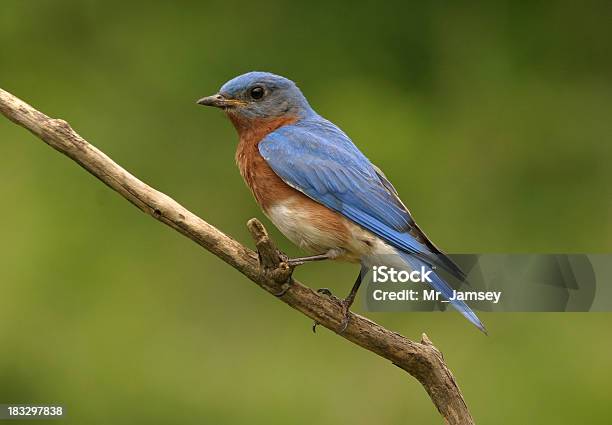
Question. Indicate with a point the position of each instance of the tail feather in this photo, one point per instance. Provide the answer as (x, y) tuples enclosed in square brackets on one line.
[(445, 290)]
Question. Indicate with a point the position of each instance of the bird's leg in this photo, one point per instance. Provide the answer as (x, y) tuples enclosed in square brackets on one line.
[(329, 255), (348, 302), (345, 303), (294, 262)]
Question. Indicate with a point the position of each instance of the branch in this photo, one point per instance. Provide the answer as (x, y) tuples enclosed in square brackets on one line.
[(268, 270)]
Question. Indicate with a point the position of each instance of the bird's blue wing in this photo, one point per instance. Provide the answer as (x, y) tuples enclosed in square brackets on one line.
[(318, 159)]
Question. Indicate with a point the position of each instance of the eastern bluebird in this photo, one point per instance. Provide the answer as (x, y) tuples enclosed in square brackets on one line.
[(318, 189)]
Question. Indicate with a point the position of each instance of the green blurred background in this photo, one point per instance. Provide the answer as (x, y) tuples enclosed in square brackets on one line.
[(493, 120)]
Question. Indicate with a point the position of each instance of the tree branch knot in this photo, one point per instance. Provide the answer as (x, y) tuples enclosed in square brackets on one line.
[(272, 262)]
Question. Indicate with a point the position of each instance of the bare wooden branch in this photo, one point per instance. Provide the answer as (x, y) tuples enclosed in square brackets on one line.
[(268, 269)]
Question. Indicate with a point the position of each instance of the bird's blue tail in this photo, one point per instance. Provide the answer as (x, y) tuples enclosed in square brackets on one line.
[(444, 289)]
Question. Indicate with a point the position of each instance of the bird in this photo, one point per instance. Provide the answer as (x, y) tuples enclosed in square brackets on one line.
[(320, 190)]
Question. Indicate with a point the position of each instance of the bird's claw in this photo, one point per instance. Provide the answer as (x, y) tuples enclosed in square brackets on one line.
[(346, 313), (325, 291), (345, 309)]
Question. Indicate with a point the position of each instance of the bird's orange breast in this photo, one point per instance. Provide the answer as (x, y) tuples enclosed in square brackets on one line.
[(271, 191), (266, 186)]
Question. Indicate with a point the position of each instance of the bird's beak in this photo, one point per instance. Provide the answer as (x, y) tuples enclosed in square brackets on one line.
[(219, 101)]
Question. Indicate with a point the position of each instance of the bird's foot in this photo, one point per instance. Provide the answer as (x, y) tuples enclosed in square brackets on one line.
[(324, 291), (346, 316), (345, 304)]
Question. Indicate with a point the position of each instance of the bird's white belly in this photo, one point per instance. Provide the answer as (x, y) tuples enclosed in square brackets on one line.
[(299, 226)]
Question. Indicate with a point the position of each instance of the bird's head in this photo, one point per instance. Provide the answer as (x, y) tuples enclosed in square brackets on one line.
[(259, 97)]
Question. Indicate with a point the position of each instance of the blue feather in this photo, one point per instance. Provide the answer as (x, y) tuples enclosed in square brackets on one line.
[(446, 291), (318, 159)]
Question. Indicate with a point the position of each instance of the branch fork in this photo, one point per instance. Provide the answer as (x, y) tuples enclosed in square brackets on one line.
[(272, 262)]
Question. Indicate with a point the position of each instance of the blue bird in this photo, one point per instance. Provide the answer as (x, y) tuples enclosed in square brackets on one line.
[(320, 191)]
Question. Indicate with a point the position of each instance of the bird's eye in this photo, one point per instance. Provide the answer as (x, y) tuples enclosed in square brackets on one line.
[(256, 92)]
